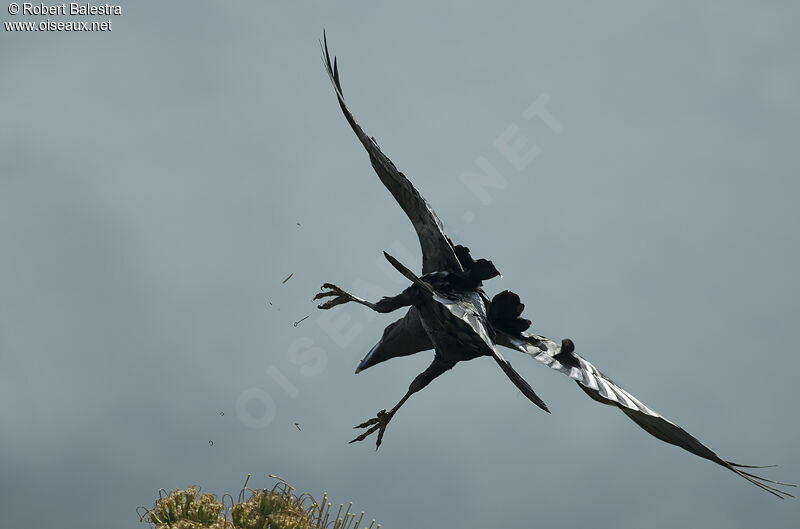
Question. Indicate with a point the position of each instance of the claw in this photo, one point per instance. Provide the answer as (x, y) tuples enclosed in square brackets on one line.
[(325, 295), (332, 303), (368, 423), (365, 434), (375, 424), (339, 296)]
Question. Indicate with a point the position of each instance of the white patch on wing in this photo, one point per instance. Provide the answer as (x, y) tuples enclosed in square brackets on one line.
[(606, 390), (624, 399), (587, 375), (589, 380), (472, 312)]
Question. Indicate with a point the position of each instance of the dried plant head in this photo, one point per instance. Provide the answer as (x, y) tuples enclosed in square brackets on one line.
[(186, 509), (275, 508)]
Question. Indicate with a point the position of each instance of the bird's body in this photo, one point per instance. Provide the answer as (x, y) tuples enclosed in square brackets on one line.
[(449, 312), (457, 326)]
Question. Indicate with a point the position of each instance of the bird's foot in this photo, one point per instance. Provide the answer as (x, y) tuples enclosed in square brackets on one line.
[(339, 296), (375, 424)]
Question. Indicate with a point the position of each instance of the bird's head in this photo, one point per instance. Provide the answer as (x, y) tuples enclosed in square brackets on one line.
[(567, 346)]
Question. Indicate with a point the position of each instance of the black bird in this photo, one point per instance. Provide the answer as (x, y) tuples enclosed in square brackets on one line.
[(449, 312)]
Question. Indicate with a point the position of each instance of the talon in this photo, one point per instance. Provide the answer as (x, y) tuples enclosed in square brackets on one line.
[(365, 434), (368, 423), (324, 295), (339, 296), (378, 424)]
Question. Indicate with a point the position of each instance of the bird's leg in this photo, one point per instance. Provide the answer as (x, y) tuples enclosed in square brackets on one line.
[(339, 296), (380, 422)]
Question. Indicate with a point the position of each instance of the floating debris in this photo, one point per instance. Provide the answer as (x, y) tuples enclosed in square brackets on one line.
[(287, 279), (298, 426), (222, 413), (301, 319), (211, 443), (299, 224)]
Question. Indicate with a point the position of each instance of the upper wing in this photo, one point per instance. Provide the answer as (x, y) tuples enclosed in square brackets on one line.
[(437, 251), (598, 386)]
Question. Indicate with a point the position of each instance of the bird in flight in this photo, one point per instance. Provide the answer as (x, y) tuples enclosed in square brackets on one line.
[(448, 311)]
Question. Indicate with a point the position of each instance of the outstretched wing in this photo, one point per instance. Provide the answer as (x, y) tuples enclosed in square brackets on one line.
[(437, 251), (601, 388)]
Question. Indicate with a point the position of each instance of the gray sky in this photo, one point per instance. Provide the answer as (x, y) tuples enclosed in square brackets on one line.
[(152, 179)]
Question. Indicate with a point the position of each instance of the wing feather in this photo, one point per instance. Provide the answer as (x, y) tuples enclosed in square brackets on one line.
[(404, 337), (602, 389), (437, 250)]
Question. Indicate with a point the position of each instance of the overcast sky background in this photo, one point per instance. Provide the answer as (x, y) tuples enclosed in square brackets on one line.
[(151, 184)]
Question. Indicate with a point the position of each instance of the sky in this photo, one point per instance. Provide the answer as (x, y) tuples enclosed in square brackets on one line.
[(628, 168)]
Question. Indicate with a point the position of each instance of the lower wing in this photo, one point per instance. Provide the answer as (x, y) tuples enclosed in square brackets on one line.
[(599, 387), (404, 337)]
